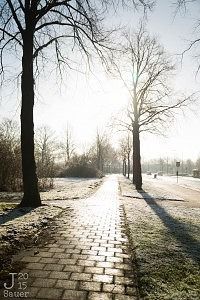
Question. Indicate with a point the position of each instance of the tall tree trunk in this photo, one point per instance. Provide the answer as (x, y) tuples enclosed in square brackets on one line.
[(137, 173), (125, 168), (31, 195), (133, 164), (128, 165)]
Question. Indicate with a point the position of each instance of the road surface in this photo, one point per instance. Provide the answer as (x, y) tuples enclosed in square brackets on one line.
[(187, 188)]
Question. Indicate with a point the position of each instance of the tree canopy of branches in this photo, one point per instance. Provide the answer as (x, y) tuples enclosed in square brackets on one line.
[(28, 28), (144, 71), (194, 42)]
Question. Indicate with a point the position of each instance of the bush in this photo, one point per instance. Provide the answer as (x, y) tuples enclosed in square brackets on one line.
[(81, 171), (81, 167)]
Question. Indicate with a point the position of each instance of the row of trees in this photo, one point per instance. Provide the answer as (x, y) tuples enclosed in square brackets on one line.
[(10, 157), (31, 28), (168, 166), (54, 156)]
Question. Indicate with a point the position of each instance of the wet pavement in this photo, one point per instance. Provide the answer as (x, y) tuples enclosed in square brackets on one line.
[(88, 256)]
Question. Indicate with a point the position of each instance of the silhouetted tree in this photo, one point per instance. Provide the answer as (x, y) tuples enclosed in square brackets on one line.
[(145, 69), (67, 145), (125, 152), (45, 154)]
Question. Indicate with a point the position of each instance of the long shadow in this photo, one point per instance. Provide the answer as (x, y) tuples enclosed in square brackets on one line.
[(14, 214), (179, 230)]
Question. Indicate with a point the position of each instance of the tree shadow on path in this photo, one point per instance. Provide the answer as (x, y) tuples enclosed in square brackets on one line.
[(14, 214), (179, 230)]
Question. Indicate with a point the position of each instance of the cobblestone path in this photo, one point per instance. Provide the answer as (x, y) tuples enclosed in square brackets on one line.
[(88, 259)]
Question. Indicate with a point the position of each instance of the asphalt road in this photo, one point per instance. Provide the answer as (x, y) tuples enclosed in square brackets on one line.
[(187, 188)]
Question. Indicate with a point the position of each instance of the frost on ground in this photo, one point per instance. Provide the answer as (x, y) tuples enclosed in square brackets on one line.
[(22, 226), (64, 189), (165, 240)]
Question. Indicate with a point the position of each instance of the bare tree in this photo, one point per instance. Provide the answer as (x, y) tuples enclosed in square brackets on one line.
[(10, 156), (101, 146), (45, 154), (125, 151), (30, 27), (145, 71), (67, 145)]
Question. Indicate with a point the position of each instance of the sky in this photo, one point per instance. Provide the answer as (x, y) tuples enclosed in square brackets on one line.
[(90, 101)]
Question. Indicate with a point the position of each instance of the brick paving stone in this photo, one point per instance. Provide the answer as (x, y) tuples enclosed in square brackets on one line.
[(37, 273), (68, 261), (45, 282), (44, 248), (56, 250), (99, 248), (35, 266), (122, 255), (81, 276), (114, 288), (71, 251), (94, 270), (119, 250), (90, 286), (47, 260), (97, 258), (74, 295), (117, 243), (79, 256), (73, 268), (48, 293), (66, 284), (103, 278), (99, 296), (114, 259), (102, 241), (88, 263), (59, 275), (113, 271), (111, 254), (122, 266), (53, 267), (30, 259), (62, 255), (106, 245), (89, 252), (94, 244), (83, 247), (45, 254), (123, 280), (105, 264)]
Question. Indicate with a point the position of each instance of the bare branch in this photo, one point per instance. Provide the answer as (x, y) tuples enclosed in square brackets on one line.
[(12, 36), (15, 17)]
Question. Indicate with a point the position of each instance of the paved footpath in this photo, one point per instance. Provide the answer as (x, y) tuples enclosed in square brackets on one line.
[(88, 258)]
